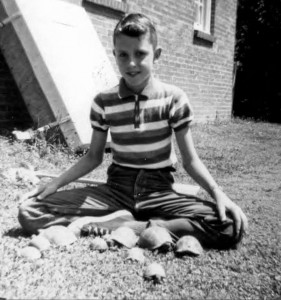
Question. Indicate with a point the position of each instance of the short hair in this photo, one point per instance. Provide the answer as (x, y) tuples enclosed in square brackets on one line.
[(136, 25)]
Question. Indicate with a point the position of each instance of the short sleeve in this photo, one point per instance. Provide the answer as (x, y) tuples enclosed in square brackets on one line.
[(181, 112), (97, 115)]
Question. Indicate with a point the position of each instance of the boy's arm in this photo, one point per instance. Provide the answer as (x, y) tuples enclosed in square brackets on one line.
[(86, 164), (198, 171)]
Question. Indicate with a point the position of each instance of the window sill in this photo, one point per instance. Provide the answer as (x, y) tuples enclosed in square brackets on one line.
[(204, 36), (111, 4)]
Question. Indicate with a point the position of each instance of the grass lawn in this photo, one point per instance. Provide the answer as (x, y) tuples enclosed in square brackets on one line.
[(243, 156)]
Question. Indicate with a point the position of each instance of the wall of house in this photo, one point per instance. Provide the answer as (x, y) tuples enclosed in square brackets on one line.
[(201, 66), (13, 112)]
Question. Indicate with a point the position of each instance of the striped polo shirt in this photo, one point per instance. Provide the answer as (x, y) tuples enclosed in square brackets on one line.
[(141, 125)]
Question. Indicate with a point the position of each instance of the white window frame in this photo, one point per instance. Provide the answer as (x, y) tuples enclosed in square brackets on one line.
[(203, 10)]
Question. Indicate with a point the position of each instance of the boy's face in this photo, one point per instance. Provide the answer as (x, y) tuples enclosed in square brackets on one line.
[(135, 57)]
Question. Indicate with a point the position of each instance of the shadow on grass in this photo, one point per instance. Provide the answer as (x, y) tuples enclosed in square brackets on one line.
[(16, 232)]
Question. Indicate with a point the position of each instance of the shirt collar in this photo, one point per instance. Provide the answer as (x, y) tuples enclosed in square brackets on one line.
[(148, 90)]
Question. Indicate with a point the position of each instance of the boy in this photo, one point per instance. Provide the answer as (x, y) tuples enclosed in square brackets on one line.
[(141, 113)]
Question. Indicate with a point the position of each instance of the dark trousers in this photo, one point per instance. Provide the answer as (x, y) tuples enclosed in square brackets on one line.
[(146, 195)]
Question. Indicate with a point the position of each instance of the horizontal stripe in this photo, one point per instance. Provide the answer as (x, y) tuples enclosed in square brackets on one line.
[(144, 126), (119, 108), (112, 101), (144, 157), (184, 125), (146, 116), (95, 116), (137, 148), (96, 109), (97, 126), (182, 111), (162, 101), (179, 123), (97, 120), (98, 102), (162, 164), (122, 118), (156, 114), (141, 137)]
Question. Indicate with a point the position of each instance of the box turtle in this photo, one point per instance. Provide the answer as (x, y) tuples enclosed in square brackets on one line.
[(40, 242), (58, 235), (124, 236), (188, 245), (156, 237), (30, 253), (154, 272), (98, 244), (135, 254)]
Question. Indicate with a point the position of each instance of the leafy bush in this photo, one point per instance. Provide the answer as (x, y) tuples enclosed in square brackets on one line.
[(257, 91)]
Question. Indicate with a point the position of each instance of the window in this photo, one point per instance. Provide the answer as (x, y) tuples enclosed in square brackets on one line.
[(203, 15)]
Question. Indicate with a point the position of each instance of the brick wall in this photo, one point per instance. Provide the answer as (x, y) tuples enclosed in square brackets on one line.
[(13, 112), (203, 69)]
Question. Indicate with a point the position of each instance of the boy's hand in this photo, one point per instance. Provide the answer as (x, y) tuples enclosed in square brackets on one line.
[(40, 192), (224, 204)]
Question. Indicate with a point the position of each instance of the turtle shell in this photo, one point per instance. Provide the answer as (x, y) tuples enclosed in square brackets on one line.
[(59, 235), (40, 242), (154, 272), (98, 244), (30, 253), (124, 236), (135, 254), (188, 245), (155, 237)]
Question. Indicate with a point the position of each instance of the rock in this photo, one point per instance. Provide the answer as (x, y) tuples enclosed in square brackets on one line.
[(40, 242), (59, 235), (30, 253)]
